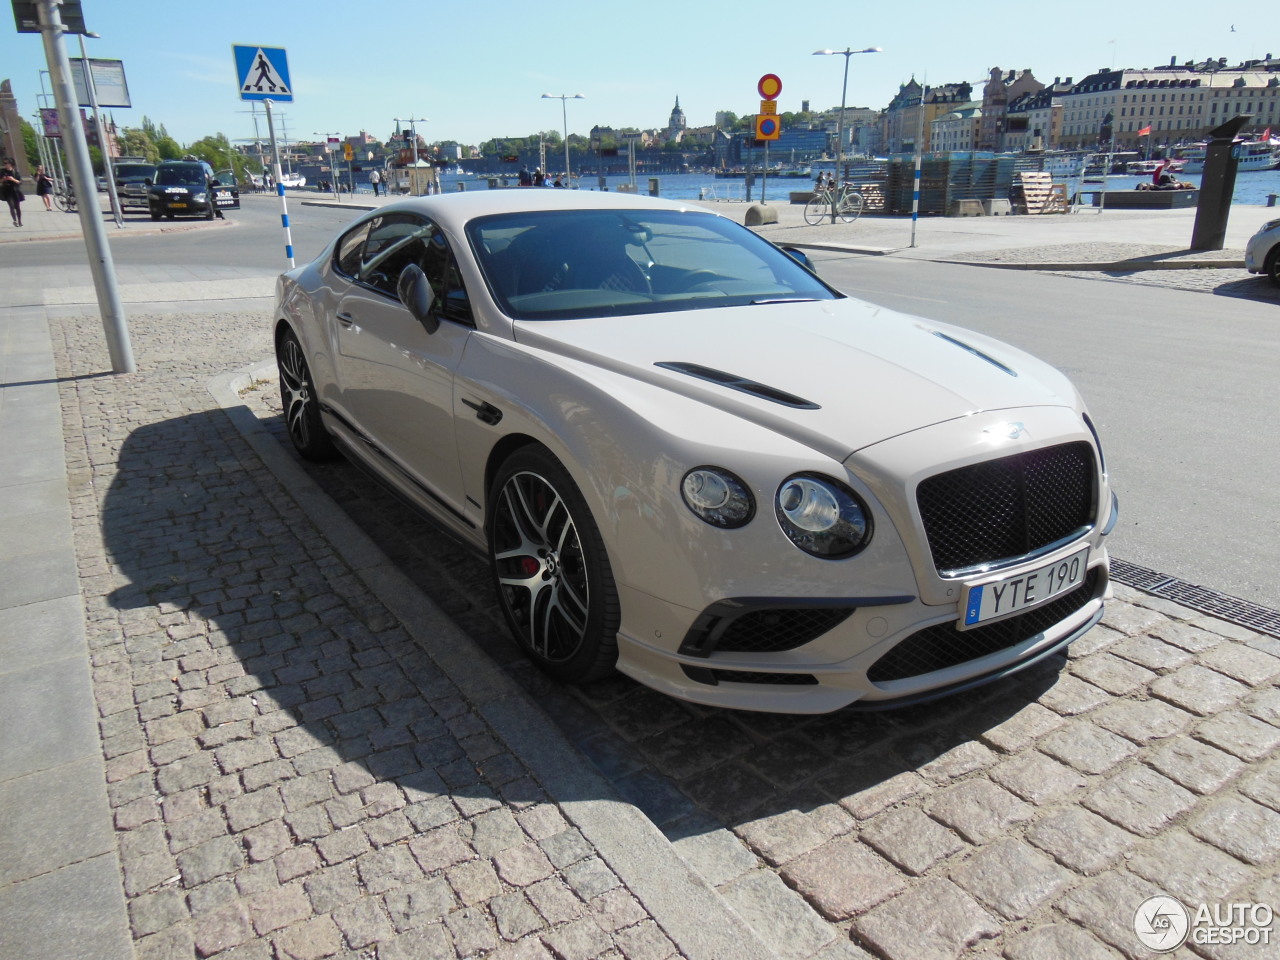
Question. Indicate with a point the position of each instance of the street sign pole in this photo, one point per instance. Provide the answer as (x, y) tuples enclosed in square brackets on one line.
[(278, 173), (257, 67), (101, 265)]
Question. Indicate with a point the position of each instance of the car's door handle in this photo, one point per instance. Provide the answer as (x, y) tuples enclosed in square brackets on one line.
[(346, 319), (485, 412)]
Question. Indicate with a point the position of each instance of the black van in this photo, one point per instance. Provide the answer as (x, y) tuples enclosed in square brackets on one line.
[(187, 188), (133, 174)]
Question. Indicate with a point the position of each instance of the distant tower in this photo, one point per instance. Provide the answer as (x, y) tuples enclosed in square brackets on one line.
[(675, 125)]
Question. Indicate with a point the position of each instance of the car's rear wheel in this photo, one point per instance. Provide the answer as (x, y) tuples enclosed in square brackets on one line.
[(551, 570), (1273, 265), (301, 409)]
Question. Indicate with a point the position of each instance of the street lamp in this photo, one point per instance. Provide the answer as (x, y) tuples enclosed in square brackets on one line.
[(564, 115), (846, 53)]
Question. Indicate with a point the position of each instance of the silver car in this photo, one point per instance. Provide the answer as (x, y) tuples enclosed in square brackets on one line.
[(690, 459), (1262, 252)]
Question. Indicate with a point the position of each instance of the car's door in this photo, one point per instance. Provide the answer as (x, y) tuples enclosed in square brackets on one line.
[(396, 379)]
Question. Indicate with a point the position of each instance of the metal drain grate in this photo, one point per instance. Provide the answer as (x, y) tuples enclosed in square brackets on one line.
[(1221, 605)]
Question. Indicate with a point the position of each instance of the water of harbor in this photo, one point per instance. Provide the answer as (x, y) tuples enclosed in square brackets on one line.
[(1251, 187)]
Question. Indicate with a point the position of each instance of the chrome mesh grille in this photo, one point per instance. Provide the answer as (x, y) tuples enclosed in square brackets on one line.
[(1006, 508)]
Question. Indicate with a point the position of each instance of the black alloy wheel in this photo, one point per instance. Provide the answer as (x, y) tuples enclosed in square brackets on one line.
[(301, 409), (1273, 265), (549, 565)]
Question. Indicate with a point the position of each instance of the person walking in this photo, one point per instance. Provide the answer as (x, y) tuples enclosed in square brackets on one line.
[(44, 187), (374, 180), (11, 190)]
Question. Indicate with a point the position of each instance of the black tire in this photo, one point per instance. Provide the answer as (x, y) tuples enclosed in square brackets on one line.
[(154, 215), (1273, 265), (210, 212), (301, 407), (550, 569), (817, 210)]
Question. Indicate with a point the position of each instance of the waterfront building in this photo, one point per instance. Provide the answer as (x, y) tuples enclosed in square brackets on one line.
[(1178, 103), (903, 118), (1033, 121), (1001, 89), (959, 130)]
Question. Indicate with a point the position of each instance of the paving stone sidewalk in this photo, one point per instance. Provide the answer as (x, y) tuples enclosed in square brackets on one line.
[(290, 774), (1026, 820)]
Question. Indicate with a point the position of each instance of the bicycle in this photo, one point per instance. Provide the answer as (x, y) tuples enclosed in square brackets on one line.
[(64, 196), (844, 202)]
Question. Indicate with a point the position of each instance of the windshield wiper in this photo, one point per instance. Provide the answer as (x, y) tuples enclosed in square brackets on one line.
[(755, 303)]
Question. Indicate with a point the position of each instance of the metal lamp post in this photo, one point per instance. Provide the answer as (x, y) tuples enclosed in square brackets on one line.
[(332, 162), (564, 115), (844, 87)]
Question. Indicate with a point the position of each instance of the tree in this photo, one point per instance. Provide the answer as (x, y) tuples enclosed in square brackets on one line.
[(136, 142), (29, 143)]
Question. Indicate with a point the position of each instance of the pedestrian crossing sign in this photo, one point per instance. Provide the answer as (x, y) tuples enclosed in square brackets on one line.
[(263, 73)]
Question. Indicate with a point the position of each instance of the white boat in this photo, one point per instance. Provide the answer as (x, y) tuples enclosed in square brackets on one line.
[(1254, 155), (293, 180)]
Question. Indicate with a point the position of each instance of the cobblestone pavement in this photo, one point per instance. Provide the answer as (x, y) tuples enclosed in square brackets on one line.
[(1026, 820), (1222, 283), (290, 775)]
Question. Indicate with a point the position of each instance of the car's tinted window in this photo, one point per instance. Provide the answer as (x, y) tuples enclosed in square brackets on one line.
[(377, 252), (133, 170), (346, 256), (186, 175), (545, 265)]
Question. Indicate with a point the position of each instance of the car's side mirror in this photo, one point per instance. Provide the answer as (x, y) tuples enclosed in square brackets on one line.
[(800, 257), (417, 296)]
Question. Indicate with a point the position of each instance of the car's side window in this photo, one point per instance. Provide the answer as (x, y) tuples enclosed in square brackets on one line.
[(378, 254), (346, 257)]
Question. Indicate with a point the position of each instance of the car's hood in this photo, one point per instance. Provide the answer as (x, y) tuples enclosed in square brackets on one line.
[(836, 375)]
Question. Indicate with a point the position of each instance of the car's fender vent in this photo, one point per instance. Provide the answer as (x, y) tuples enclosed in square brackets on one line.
[(942, 645), (713, 677), (741, 384), (728, 627)]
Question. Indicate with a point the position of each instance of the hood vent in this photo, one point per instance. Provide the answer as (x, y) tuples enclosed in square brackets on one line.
[(751, 387), (976, 352)]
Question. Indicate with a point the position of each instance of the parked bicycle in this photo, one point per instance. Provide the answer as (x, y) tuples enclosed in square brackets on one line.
[(64, 196), (843, 201)]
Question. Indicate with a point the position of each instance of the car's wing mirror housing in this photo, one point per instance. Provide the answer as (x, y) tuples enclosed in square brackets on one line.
[(800, 257), (417, 296)]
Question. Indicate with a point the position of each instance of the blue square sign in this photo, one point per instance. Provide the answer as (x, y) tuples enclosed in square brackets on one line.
[(263, 73)]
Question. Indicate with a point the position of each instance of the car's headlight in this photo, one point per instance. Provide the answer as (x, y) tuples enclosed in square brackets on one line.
[(717, 497), (822, 516), (200, 197)]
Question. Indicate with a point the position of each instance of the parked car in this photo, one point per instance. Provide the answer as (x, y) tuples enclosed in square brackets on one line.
[(226, 191), (1262, 252), (133, 176), (687, 456), (183, 188)]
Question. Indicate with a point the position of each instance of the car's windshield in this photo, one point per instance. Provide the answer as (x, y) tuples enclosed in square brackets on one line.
[(548, 265), (191, 176), (133, 170)]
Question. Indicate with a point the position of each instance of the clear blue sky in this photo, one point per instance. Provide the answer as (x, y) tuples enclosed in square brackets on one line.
[(477, 70)]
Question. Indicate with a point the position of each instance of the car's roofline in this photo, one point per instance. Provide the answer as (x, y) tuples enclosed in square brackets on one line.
[(454, 210)]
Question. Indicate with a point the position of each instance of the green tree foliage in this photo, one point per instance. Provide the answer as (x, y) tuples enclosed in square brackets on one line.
[(29, 143)]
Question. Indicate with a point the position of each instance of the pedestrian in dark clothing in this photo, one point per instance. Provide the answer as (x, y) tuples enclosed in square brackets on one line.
[(44, 188), (11, 190)]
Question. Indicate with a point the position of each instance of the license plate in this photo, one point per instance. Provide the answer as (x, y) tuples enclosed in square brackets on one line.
[(1000, 598), (178, 206)]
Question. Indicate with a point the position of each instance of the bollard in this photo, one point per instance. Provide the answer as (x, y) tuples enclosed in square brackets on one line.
[(653, 186), (462, 186), (1271, 199)]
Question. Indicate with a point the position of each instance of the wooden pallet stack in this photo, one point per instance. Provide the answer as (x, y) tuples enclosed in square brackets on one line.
[(1035, 192)]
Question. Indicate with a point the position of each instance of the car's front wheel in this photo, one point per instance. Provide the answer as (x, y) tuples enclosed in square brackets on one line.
[(551, 570), (298, 396), (1273, 265)]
